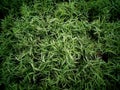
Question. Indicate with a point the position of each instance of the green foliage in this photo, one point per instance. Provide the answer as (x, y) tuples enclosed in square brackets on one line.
[(60, 45)]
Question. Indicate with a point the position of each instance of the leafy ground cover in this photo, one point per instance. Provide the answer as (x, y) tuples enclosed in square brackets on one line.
[(60, 45)]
